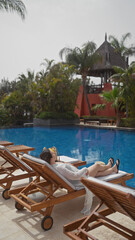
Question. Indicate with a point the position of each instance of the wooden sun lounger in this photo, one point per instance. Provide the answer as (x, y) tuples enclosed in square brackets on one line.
[(75, 162), (6, 143), (52, 181), (19, 149), (116, 198), (8, 170), (8, 174)]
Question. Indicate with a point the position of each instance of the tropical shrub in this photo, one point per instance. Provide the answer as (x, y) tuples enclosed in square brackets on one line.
[(57, 89), (127, 122), (56, 115), (50, 94)]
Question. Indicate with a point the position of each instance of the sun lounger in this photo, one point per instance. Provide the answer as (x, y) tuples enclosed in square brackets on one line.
[(6, 143), (9, 174), (73, 161), (9, 170), (116, 198), (19, 149), (52, 182)]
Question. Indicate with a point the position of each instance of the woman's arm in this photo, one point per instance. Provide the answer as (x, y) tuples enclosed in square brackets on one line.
[(70, 172)]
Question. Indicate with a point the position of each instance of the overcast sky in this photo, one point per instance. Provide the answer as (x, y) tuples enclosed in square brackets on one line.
[(51, 25)]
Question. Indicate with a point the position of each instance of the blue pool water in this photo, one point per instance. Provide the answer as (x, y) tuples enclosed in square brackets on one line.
[(90, 144)]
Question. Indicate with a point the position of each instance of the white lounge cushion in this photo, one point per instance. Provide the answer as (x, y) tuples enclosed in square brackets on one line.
[(112, 176), (68, 159), (114, 186), (39, 160), (2, 147)]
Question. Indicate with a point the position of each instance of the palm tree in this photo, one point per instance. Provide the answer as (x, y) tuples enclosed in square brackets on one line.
[(125, 80), (120, 45), (47, 64), (83, 59), (114, 96), (25, 81), (13, 5)]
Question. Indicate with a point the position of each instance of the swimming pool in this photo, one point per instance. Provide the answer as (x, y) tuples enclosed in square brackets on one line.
[(90, 144)]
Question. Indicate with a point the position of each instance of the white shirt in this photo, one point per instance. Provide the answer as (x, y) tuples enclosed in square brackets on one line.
[(74, 175), (71, 173)]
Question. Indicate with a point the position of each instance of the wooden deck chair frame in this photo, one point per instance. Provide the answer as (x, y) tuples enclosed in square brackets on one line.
[(52, 181), (116, 198), (8, 174)]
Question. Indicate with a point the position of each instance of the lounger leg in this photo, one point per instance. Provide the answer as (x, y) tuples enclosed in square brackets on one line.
[(7, 186), (5, 193), (48, 211), (47, 221), (123, 183)]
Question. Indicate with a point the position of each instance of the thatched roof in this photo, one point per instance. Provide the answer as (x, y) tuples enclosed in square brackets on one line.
[(110, 58)]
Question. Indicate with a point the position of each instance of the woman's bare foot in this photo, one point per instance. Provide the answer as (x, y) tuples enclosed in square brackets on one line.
[(110, 162), (116, 166)]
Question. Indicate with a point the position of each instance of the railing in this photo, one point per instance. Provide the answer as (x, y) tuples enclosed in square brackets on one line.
[(109, 121), (95, 89)]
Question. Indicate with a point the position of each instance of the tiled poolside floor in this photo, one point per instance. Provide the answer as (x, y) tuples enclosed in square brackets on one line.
[(24, 225)]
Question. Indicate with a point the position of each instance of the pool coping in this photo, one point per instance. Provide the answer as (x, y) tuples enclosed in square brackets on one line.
[(106, 127)]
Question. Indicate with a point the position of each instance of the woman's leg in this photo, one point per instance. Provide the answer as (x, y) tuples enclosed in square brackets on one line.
[(101, 170), (107, 172)]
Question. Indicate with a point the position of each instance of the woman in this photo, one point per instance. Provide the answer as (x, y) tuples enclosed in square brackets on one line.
[(72, 173)]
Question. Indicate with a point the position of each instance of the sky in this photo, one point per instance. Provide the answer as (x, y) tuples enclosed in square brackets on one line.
[(51, 25)]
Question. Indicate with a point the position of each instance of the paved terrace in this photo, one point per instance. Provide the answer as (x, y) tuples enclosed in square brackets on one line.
[(25, 225)]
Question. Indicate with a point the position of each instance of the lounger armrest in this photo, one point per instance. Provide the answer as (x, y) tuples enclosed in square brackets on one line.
[(67, 159)]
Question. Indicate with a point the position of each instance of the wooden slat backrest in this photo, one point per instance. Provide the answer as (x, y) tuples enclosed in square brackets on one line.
[(112, 196), (3, 155), (13, 160)]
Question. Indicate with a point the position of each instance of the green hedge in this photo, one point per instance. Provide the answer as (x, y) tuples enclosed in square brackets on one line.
[(127, 122), (55, 115)]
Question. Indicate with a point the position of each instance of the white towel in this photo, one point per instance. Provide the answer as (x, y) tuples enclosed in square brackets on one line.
[(87, 202)]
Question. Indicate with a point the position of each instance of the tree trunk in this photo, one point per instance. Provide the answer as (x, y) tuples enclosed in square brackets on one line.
[(85, 93), (127, 108), (118, 117), (127, 82)]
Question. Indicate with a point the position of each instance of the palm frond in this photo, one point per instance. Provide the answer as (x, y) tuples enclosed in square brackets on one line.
[(132, 64), (120, 47), (99, 107), (107, 95), (124, 37), (118, 69), (115, 78), (129, 51), (65, 51), (114, 42), (13, 6), (89, 48), (82, 58)]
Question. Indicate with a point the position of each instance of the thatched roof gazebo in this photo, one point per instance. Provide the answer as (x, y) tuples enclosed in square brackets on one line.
[(103, 70), (110, 58)]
